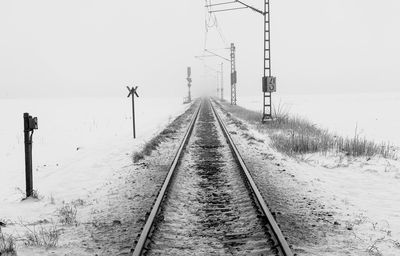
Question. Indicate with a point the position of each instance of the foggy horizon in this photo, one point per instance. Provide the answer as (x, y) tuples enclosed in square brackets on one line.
[(96, 49)]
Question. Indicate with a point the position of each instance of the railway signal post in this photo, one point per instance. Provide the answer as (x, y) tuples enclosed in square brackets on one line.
[(30, 124), (232, 61), (133, 92)]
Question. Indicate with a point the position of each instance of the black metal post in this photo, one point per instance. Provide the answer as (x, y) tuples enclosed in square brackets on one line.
[(28, 157), (133, 116), (133, 92)]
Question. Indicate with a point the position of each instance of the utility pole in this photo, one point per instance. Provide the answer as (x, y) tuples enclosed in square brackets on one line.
[(222, 81), (217, 73), (233, 74), (133, 92), (189, 79), (218, 83), (232, 61), (268, 81)]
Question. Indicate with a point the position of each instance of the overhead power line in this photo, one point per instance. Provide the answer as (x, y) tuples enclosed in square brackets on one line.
[(268, 81), (211, 21)]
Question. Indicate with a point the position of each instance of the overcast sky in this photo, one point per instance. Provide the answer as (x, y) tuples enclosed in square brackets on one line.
[(95, 48)]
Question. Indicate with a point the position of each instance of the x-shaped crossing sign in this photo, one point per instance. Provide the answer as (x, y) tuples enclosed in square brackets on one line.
[(132, 91)]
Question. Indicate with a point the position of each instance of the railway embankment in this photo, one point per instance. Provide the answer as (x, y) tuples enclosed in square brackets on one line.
[(329, 201)]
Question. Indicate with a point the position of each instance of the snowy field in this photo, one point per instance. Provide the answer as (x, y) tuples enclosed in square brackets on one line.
[(374, 115), (361, 194), (78, 144)]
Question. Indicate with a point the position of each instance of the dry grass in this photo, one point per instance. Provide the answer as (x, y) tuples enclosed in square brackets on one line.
[(35, 194), (67, 214), (294, 135), (167, 133), (7, 244), (44, 236), (148, 148)]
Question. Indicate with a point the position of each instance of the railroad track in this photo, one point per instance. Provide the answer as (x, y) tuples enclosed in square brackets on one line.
[(209, 203)]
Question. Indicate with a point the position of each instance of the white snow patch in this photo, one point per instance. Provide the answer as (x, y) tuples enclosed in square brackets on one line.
[(78, 145), (363, 193), (374, 114)]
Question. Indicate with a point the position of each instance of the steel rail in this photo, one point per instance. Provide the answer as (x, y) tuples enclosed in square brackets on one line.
[(284, 246), (157, 205)]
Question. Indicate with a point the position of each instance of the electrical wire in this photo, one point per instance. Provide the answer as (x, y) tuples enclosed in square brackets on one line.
[(220, 33), (211, 21)]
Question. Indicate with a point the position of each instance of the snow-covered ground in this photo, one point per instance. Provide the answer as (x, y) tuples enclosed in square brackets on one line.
[(329, 204), (77, 146), (374, 114), (82, 150)]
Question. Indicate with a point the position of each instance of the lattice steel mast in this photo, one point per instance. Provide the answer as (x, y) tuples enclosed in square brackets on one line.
[(267, 99), (268, 81), (233, 74), (232, 62)]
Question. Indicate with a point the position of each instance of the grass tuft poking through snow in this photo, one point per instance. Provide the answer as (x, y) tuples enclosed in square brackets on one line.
[(36, 195), (67, 214), (7, 244), (148, 148), (45, 236), (294, 135)]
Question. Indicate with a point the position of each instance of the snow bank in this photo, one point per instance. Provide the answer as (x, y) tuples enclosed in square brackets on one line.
[(78, 145), (372, 114), (350, 204)]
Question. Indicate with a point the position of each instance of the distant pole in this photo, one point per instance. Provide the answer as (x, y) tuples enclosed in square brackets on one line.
[(217, 77), (189, 79), (268, 81), (233, 74), (132, 92), (220, 87), (222, 81), (30, 124)]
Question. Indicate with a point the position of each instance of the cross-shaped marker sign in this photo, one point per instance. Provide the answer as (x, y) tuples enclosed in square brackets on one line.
[(132, 91)]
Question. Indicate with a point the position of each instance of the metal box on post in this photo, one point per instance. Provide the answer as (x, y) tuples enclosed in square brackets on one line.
[(269, 84), (32, 123), (234, 77)]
